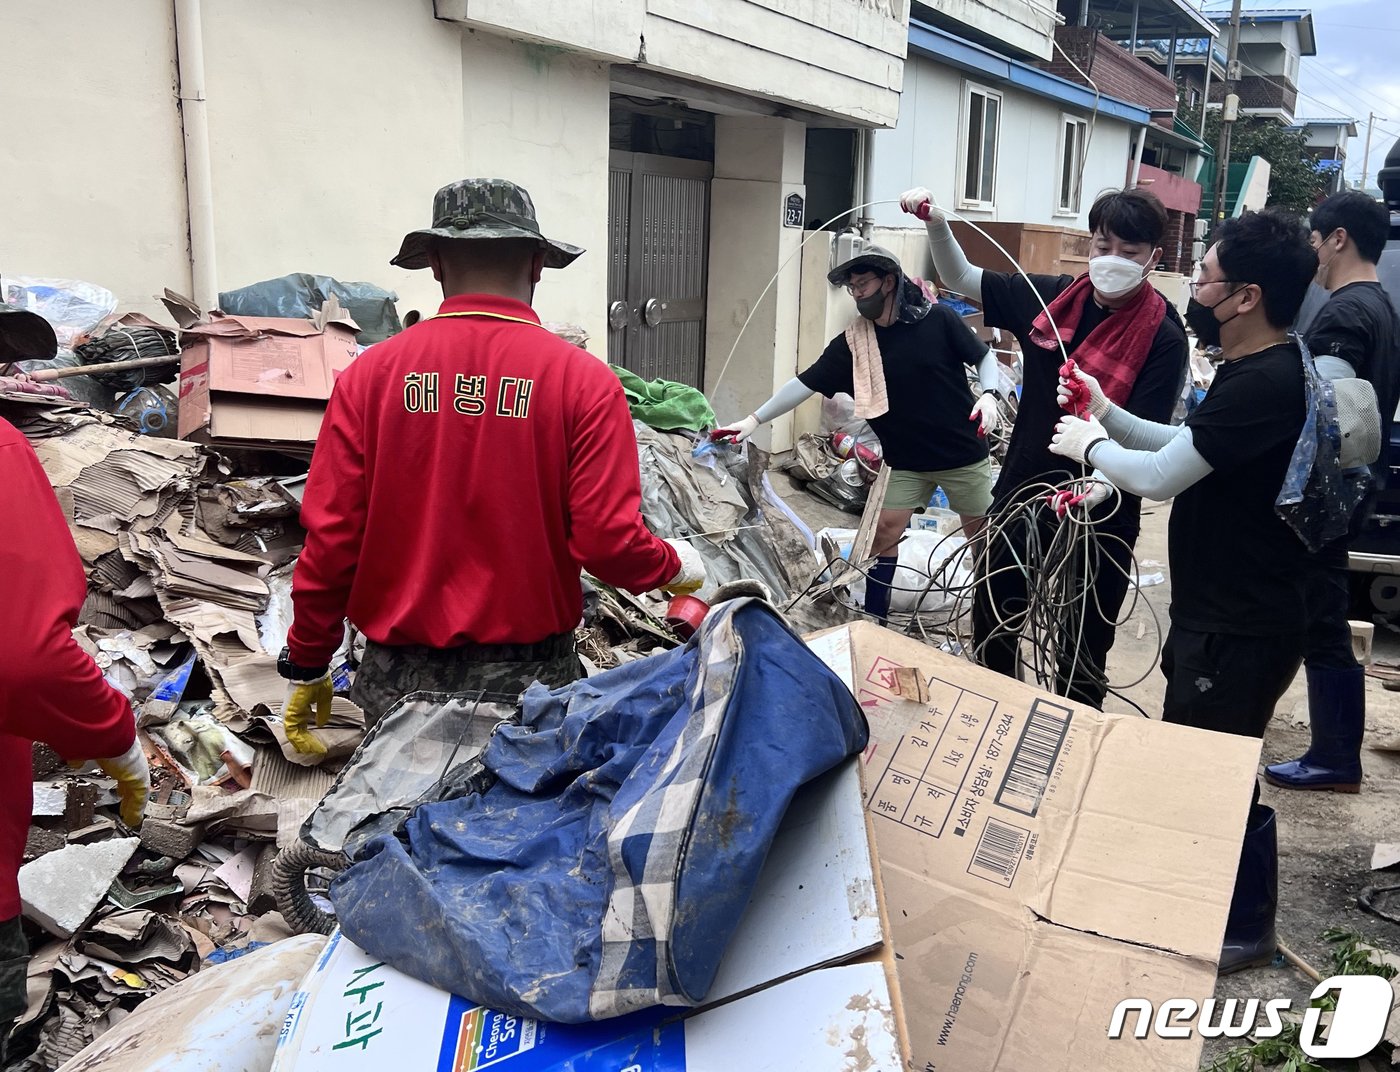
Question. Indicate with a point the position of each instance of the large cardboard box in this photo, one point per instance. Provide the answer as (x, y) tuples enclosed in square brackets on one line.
[(251, 381), (1040, 861)]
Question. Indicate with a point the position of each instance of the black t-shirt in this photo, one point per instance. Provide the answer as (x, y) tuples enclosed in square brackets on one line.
[(1236, 566), (1359, 325), (927, 426), (1009, 303)]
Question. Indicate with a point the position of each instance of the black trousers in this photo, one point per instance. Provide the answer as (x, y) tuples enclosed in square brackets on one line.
[(14, 965), (388, 673), (1225, 682), (1328, 594), (1084, 627)]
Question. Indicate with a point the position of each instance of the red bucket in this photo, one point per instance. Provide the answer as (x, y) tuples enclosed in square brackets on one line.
[(685, 613)]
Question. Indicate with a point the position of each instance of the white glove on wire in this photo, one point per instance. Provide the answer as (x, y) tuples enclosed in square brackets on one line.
[(1087, 493), (691, 576), (919, 202), (1099, 404), (737, 433), (1074, 437), (986, 413)]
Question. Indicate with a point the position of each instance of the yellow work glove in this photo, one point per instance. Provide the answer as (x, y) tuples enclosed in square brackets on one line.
[(302, 698), (691, 576), (133, 778)]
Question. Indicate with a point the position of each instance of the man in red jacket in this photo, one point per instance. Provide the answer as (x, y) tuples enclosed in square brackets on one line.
[(50, 689), (466, 470)]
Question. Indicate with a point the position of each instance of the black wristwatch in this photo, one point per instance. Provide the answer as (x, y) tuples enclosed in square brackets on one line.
[(994, 393), (300, 674)]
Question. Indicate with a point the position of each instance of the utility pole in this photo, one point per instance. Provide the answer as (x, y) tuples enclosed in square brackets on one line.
[(1366, 160), (1228, 111)]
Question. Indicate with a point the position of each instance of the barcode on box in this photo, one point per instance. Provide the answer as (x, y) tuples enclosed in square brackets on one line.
[(998, 852), (1034, 758)]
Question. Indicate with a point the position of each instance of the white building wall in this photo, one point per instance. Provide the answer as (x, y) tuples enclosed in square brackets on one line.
[(91, 163), (842, 57), (1025, 25), (758, 163), (328, 137), (924, 150), (540, 118)]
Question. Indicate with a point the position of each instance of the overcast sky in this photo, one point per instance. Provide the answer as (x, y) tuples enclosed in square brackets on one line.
[(1356, 70)]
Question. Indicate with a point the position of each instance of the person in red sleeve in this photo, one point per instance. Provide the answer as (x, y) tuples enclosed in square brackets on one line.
[(50, 689), (465, 472)]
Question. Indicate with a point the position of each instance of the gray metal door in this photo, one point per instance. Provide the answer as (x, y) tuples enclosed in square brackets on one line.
[(658, 241)]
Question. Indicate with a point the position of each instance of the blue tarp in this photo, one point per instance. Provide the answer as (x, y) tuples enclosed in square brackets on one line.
[(608, 867)]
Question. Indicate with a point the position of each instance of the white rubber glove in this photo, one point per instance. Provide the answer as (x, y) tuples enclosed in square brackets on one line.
[(985, 412), (919, 202), (1086, 493), (133, 778), (737, 433), (691, 576), (1073, 437), (1099, 404)]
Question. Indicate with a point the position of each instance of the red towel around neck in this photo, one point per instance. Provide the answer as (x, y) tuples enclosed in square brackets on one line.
[(1115, 351)]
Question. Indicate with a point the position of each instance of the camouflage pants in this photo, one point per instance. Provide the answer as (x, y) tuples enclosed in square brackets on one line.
[(14, 962), (388, 674)]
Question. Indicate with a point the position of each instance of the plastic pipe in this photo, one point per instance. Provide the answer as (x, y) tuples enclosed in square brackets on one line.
[(194, 124)]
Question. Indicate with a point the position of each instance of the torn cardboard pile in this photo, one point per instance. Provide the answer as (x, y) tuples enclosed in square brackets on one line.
[(1040, 860)]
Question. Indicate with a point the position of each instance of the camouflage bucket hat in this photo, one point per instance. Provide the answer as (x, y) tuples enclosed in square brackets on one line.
[(869, 257), (482, 209), (25, 335)]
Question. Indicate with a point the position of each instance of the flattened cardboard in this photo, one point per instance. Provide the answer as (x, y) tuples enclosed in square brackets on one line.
[(1040, 861), (249, 380)]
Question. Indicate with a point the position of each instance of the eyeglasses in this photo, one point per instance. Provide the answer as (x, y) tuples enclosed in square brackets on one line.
[(1197, 283), (866, 289)]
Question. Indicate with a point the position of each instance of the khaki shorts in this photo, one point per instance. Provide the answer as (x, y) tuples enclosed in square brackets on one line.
[(969, 488)]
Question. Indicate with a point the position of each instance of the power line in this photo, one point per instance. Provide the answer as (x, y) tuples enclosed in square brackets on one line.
[(1338, 86)]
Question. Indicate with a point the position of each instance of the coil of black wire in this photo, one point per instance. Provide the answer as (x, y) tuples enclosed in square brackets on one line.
[(125, 344)]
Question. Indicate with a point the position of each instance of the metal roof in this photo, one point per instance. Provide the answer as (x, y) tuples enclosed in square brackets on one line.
[(1155, 18)]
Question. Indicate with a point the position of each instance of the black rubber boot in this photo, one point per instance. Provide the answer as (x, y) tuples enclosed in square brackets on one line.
[(877, 587), (1250, 940), (1337, 710)]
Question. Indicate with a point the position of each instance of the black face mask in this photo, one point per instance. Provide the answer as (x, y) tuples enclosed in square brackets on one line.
[(873, 307), (1201, 320)]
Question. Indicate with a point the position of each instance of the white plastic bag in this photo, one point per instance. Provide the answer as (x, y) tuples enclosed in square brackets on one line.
[(73, 307), (922, 554)]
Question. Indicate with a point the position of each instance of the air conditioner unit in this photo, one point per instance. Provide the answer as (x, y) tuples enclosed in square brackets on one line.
[(847, 245), (1198, 250), (1199, 232)]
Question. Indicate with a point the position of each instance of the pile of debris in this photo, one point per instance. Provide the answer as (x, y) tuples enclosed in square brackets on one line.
[(189, 557)]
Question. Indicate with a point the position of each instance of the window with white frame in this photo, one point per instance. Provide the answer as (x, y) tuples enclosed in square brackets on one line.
[(1070, 178), (981, 114)]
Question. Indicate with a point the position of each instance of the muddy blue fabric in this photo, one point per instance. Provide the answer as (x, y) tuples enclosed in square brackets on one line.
[(609, 865)]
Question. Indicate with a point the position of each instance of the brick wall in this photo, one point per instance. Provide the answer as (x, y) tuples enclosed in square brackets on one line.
[(1176, 243), (1257, 92), (1115, 71)]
